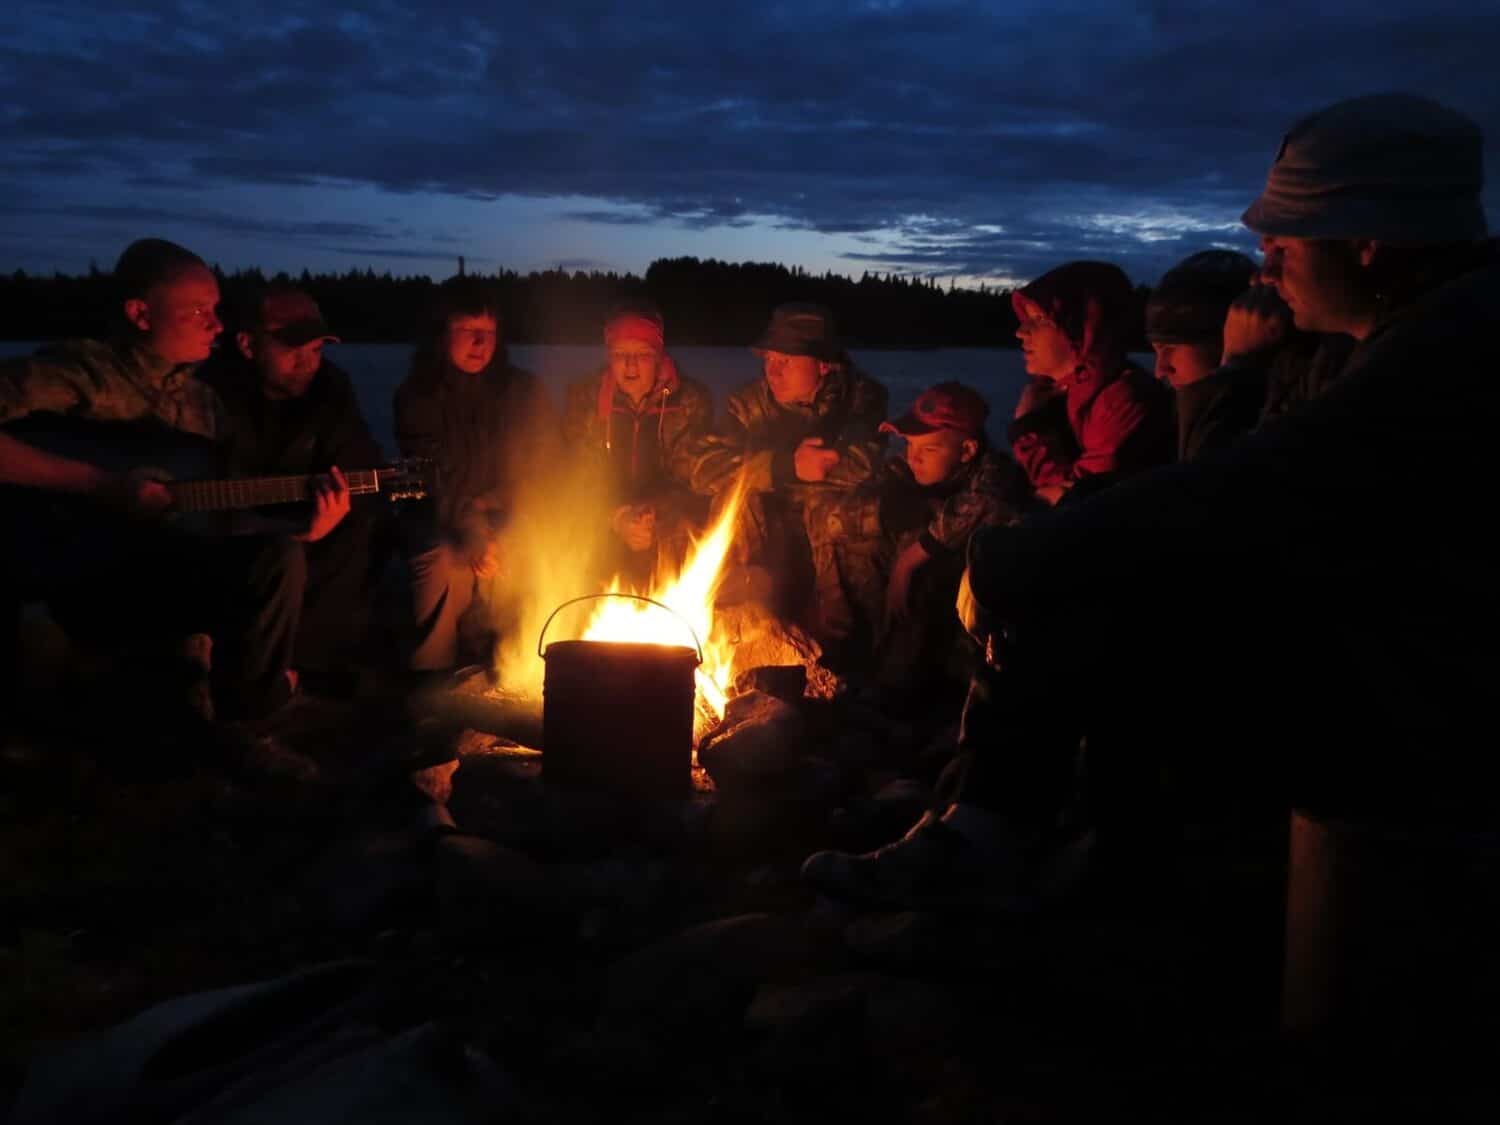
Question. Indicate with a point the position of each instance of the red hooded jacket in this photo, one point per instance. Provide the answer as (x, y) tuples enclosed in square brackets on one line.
[(1112, 418)]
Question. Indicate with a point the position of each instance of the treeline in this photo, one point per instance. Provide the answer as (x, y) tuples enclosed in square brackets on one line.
[(704, 302)]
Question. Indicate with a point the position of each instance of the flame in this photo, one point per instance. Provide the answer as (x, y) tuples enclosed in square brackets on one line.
[(690, 597)]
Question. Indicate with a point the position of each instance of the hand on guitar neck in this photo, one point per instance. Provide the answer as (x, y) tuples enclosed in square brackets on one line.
[(330, 497)]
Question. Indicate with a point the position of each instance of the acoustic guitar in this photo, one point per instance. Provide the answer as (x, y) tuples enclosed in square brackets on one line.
[(51, 532)]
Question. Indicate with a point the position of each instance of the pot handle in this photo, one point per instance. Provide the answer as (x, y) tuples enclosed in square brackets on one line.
[(697, 644)]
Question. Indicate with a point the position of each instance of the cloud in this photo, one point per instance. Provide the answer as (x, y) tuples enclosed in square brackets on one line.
[(1077, 129)]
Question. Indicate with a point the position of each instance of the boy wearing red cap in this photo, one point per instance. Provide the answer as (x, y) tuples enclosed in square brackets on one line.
[(889, 556), (631, 419)]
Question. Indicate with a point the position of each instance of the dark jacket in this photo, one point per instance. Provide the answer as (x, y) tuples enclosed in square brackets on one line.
[(637, 448), (1116, 425), (486, 435), (760, 436), (1334, 518), (1238, 397), (308, 434)]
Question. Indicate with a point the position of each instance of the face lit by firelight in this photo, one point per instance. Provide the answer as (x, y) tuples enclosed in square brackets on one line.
[(472, 341)]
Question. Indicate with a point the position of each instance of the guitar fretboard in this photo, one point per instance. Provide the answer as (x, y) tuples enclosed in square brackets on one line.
[(222, 495)]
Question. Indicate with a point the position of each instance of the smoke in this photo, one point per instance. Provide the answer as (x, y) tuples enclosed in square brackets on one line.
[(554, 548)]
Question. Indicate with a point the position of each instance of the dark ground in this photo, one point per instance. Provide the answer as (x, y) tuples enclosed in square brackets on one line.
[(132, 871)]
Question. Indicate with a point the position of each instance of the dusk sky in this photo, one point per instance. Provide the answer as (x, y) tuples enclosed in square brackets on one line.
[(969, 140)]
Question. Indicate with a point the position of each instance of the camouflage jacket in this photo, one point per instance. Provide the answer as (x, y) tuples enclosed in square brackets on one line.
[(760, 437), (989, 491), (640, 448), (109, 382)]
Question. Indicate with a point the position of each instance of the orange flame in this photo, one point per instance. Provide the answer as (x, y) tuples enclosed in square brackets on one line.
[(690, 596)]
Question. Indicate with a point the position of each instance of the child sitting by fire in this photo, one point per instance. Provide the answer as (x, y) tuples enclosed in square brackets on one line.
[(628, 421), (889, 555)]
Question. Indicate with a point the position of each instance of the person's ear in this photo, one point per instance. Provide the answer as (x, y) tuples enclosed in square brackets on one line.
[(245, 343), (138, 313), (968, 450), (1366, 250)]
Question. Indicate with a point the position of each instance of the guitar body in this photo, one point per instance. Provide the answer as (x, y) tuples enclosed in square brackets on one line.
[(58, 539), (56, 535)]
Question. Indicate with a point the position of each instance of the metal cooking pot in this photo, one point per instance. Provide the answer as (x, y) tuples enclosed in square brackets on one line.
[(618, 716)]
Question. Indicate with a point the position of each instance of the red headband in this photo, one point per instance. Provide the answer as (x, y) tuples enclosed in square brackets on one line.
[(631, 326)]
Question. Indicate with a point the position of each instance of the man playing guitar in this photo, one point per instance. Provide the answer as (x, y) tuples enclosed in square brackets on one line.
[(115, 569)]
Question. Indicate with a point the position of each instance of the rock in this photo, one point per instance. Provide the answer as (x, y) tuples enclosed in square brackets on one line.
[(485, 891), (690, 990), (812, 1030), (947, 943), (761, 640), (808, 1005), (868, 823), (435, 782), (761, 737), (373, 879), (834, 1022), (784, 681), (909, 1024)]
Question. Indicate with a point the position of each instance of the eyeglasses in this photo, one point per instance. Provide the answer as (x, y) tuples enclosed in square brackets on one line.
[(626, 358), (1032, 323)]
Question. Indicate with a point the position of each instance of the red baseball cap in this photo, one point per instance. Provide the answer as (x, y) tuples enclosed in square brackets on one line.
[(293, 318), (947, 406)]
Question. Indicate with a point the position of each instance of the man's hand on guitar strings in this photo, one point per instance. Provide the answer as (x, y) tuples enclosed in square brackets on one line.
[(141, 493), (330, 504)]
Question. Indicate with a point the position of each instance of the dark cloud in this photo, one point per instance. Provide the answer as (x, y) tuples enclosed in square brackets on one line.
[(976, 138)]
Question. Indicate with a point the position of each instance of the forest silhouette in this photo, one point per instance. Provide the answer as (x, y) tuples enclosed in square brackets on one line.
[(707, 302)]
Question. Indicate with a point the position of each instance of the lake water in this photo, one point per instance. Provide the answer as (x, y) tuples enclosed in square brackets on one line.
[(996, 373)]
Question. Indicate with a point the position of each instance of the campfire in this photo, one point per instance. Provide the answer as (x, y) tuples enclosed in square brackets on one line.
[(689, 601)]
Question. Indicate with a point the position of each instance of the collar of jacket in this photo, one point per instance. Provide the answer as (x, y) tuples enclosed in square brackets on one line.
[(150, 368), (832, 392), (667, 382)]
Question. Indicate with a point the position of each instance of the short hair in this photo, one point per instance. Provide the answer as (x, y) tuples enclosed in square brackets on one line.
[(463, 296), (149, 262)]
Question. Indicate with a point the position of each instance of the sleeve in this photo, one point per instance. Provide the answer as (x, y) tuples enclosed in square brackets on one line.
[(1044, 444), (697, 406), (419, 430), (993, 499), (860, 443), (1124, 431), (1219, 410), (40, 384), (711, 463)]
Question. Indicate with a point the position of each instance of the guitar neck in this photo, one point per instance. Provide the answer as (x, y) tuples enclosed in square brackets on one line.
[(253, 492)]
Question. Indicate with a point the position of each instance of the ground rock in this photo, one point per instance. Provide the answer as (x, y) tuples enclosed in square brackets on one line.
[(486, 891), (830, 1023), (761, 737), (761, 639), (435, 782), (784, 681), (690, 990)]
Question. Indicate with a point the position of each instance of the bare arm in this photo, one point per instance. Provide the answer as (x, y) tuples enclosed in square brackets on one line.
[(35, 468)]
